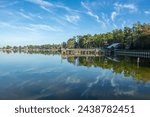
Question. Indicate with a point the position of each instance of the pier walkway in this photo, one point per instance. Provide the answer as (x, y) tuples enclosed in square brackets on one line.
[(81, 51), (133, 53)]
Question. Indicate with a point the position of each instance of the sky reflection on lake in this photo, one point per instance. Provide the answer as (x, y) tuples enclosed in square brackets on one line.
[(37, 76)]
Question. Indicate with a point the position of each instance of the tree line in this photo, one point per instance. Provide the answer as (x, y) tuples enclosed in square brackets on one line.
[(33, 47), (135, 37)]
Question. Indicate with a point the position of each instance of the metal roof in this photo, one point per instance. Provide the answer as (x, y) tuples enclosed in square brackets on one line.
[(114, 45)]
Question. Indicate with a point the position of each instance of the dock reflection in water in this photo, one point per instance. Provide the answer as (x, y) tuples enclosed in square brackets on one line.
[(38, 76)]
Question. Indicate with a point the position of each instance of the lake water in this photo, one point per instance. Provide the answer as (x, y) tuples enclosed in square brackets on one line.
[(53, 76)]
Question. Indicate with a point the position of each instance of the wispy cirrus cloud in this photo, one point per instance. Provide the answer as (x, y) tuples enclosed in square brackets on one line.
[(114, 15), (94, 15), (85, 6), (33, 15), (118, 7), (105, 18), (31, 27), (47, 17), (25, 16), (14, 26), (73, 18), (44, 27), (90, 12), (45, 5), (130, 7), (42, 3), (147, 12), (62, 6)]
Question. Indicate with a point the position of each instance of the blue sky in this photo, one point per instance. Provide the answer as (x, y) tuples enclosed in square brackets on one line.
[(25, 22)]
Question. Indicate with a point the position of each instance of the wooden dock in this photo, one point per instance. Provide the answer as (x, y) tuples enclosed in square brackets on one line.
[(81, 51), (133, 53), (66, 56)]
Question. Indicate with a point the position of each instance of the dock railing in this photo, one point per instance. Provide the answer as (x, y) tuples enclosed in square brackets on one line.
[(134, 53)]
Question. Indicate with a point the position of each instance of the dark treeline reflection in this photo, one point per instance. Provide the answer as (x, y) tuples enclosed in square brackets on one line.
[(120, 64)]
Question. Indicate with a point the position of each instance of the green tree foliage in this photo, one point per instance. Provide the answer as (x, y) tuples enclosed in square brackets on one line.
[(136, 37), (71, 43), (8, 47), (64, 45)]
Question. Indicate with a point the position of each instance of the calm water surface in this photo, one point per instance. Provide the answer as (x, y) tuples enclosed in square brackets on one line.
[(38, 76)]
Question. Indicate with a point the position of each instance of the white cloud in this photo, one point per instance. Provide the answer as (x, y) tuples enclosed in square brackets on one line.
[(40, 17), (130, 7), (46, 9), (114, 15), (94, 15), (118, 10), (105, 18), (25, 16), (147, 12), (14, 26), (44, 27), (90, 12), (33, 15), (66, 8), (41, 3), (72, 19), (45, 5), (85, 6), (30, 27), (63, 7)]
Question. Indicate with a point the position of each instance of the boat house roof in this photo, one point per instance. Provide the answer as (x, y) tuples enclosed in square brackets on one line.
[(114, 45)]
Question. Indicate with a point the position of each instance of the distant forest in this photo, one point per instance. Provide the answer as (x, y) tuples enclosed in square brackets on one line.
[(135, 37), (33, 47)]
